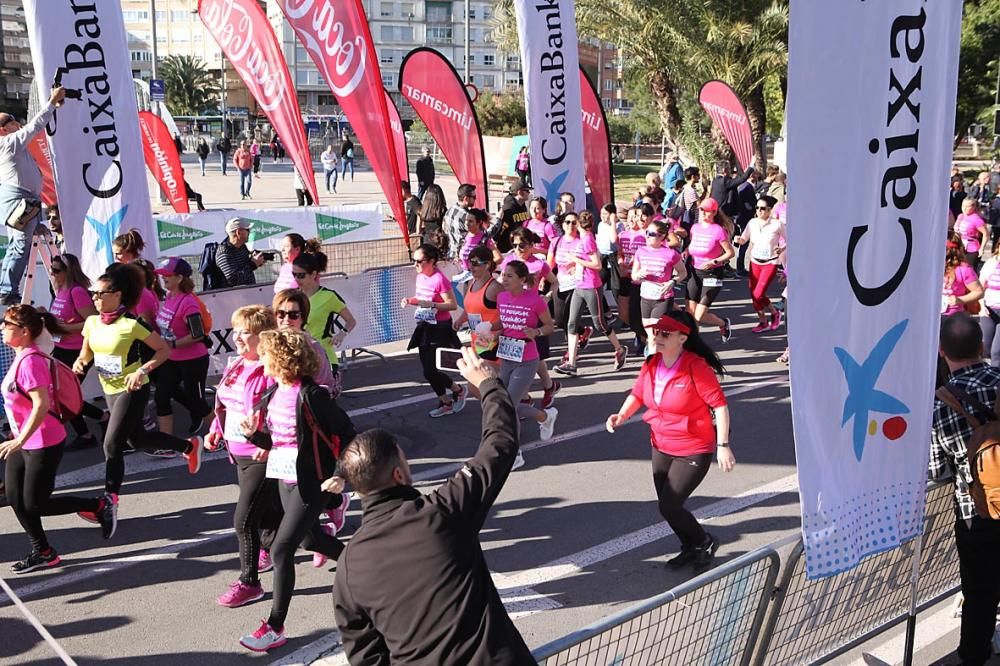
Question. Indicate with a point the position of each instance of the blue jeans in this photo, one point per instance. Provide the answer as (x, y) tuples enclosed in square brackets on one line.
[(201, 161), (246, 180), (331, 172), (223, 159), (15, 261), (344, 163)]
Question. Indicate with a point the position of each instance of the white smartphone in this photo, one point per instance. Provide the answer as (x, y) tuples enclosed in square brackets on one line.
[(447, 359)]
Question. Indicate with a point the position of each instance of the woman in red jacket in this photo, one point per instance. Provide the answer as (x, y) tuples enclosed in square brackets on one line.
[(679, 388)]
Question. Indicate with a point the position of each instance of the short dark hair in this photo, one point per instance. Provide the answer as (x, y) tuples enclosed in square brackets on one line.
[(961, 338), (466, 190), (367, 462), (691, 172)]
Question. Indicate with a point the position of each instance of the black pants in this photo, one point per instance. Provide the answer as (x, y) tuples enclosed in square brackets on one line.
[(298, 526), (675, 478), (635, 312), (439, 381), (560, 307), (256, 492), (978, 544), (91, 411), (303, 197), (30, 479), (127, 409), (183, 381)]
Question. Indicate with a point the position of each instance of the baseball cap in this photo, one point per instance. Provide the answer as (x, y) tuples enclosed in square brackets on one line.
[(174, 266), (710, 205), (517, 186), (667, 323), (237, 223)]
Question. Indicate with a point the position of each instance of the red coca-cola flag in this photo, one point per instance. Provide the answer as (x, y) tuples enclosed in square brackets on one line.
[(39, 150), (399, 139), (162, 159), (596, 144), (729, 115), (245, 35), (431, 85), (337, 37)]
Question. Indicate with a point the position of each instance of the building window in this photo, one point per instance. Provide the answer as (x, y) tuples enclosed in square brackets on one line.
[(439, 12), (489, 59), (135, 15), (178, 15), (326, 100), (513, 60), (388, 80), (406, 9), (385, 9), (609, 85), (472, 12), (607, 103), (487, 80), (387, 56), (161, 15), (472, 59), (394, 33), (475, 35), (439, 34), (487, 12)]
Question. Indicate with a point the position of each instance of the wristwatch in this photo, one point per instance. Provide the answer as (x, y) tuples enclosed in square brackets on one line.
[(143, 371), (723, 445)]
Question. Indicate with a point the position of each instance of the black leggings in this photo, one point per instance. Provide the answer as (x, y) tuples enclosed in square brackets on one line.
[(298, 526), (30, 480), (560, 307), (91, 411), (439, 381), (675, 478), (635, 312), (183, 381), (127, 410), (256, 492)]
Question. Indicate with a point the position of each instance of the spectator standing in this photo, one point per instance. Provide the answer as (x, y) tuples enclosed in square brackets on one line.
[(302, 195), (224, 146), (255, 154), (425, 172), (347, 156), (412, 550), (329, 159), (274, 148), (234, 258), (956, 195), (411, 205), (454, 219), (513, 214), (431, 217), (203, 151), (522, 165), (243, 161)]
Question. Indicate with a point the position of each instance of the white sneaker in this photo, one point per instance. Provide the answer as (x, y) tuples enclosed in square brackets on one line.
[(264, 638), (518, 462), (548, 426)]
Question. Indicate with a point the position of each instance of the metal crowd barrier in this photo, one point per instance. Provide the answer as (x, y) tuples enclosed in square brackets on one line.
[(735, 614)]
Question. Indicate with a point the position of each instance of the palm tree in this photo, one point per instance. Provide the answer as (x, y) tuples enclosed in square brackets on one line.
[(191, 88)]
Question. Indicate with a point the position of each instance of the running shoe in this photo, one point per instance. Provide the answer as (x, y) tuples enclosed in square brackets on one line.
[(565, 357), (528, 400), (683, 558), (199, 427), (549, 396), (705, 553), (548, 426), (338, 516), (459, 397), (160, 453), (566, 369), (91, 516), (240, 594), (518, 461), (264, 563), (107, 515), (264, 638), (585, 336), (319, 559), (620, 357), (441, 410), (43, 560), (726, 330), (761, 327), (193, 456), (776, 320), (638, 346)]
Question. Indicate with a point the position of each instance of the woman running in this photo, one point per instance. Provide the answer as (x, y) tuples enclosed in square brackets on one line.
[(71, 306), (989, 278), (242, 385), (961, 289), (766, 236), (113, 340), (654, 267), (973, 231), (330, 320), (302, 429), (630, 239), (182, 377), (524, 317), (588, 293), (291, 310), (539, 224), (710, 252), (476, 223), (562, 261), (480, 303), (680, 391), (37, 439), (291, 246), (434, 301)]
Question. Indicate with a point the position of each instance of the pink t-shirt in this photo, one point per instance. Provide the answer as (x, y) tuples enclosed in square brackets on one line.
[(631, 240), (964, 275), (33, 371), (471, 243), (968, 227), (589, 278), (172, 322), (66, 308), (148, 305), (706, 243), (282, 412), (518, 313), (564, 253), (231, 392), (657, 264), (432, 288), (539, 269), (545, 231), (285, 279)]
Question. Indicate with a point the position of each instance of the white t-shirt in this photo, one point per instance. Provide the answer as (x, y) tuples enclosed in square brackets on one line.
[(765, 237)]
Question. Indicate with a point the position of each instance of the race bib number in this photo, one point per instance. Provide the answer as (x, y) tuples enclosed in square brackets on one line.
[(511, 349), (567, 281), (108, 365), (654, 291), (168, 335), (428, 315), (712, 282), (761, 253), (232, 431), (475, 320), (281, 463)]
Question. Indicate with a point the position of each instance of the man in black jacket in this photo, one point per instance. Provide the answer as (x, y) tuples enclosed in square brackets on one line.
[(413, 586), (513, 214), (724, 188), (425, 172)]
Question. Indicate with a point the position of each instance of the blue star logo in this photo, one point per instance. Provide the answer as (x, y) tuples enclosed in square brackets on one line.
[(553, 188), (862, 396), (106, 231)]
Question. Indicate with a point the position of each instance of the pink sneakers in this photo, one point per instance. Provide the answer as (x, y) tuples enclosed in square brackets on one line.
[(240, 593), (264, 562), (338, 516)]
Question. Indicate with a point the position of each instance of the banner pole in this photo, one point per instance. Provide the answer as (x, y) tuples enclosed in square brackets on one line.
[(911, 619)]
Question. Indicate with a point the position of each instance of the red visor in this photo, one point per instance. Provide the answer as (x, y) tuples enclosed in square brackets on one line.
[(666, 324)]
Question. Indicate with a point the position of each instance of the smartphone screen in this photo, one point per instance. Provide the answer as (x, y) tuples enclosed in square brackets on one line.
[(196, 326), (447, 359)]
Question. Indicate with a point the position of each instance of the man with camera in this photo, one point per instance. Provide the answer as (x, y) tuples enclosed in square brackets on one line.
[(234, 258), (20, 191)]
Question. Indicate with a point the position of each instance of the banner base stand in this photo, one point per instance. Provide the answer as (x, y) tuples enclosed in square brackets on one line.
[(358, 351)]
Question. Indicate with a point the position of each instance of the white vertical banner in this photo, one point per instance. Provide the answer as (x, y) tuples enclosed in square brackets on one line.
[(96, 146), (871, 107), (550, 63)]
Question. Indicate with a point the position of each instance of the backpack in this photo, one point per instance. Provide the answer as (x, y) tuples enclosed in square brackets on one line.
[(982, 449), (67, 401), (212, 276)]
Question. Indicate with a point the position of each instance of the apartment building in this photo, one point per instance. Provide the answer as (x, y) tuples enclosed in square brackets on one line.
[(16, 69)]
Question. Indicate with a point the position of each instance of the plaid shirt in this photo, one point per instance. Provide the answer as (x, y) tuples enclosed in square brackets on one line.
[(951, 432), (454, 226)]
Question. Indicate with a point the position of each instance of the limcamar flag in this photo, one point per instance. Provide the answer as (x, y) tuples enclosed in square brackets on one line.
[(729, 115), (596, 144)]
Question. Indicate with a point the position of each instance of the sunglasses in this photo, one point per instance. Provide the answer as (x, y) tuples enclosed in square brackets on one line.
[(298, 276), (518, 246), (653, 234), (763, 208), (419, 262), (56, 269), (293, 315), (664, 334), (477, 262), (8, 121), (102, 294)]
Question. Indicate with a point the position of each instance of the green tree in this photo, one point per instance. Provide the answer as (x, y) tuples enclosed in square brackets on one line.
[(977, 63), (501, 114), (191, 88)]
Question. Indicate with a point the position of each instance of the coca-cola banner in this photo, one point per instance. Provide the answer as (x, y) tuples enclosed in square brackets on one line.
[(245, 35), (434, 89), (39, 149), (596, 144), (337, 37), (162, 159), (399, 139), (728, 114)]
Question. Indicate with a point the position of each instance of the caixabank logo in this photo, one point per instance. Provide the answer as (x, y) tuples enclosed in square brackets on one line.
[(863, 395)]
